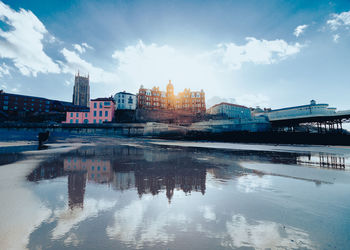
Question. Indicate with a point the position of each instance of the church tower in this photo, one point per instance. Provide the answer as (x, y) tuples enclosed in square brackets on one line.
[(81, 91)]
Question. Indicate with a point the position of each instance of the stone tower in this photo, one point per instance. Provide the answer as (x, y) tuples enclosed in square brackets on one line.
[(81, 91)]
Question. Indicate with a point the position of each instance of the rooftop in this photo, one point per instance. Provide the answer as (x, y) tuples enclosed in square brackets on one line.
[(229, 104), (123, 92), (104, 99)]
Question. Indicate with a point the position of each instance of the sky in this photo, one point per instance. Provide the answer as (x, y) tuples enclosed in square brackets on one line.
[(254, 53)]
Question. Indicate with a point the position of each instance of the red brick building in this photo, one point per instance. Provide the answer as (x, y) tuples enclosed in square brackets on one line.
[(155, 99)]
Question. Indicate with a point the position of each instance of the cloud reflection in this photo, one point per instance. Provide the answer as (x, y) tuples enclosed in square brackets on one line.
[(68, 218), (253, 183), (137, 226), (264, 235)]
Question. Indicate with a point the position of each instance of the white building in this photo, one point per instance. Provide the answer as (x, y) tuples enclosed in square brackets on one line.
[(311, 109), (125, 100), (232, 111)]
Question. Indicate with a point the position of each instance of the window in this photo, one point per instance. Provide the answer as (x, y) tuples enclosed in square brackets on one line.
[(6, 102), (86, 114), (100, 105), (118, 100), (94, 120), (100, 113), (71, 114), (100, 121), (95, 105), (86, 121), (98, 168), (107, 103), (123, 101), (106, 120), (95, 113), (106, 113), (76, 121), (130, 100), (71, 120), (6, 97), (92, 168), (5, 107), (77, 114)]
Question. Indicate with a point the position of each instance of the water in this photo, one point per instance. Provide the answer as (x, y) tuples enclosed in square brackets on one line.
[(133, 194)]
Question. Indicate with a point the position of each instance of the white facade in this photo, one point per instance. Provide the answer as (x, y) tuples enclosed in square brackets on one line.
[(312, 109), (125, 100), (232, 111)]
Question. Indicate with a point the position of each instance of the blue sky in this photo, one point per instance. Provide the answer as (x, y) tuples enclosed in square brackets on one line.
[(267, 53)]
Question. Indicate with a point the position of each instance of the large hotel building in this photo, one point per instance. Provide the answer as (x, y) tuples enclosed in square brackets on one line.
[(155, 99)]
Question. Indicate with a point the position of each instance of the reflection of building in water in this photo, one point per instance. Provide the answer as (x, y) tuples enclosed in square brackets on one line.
[(124, 180), (76, 188), (47, 170), (323, 160), (153, 181), (80, 169), (97, 170)]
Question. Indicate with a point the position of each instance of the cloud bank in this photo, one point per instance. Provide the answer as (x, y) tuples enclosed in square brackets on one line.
[(22, 42)]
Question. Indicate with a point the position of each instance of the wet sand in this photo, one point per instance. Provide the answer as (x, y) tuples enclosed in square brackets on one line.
[(156, 194), (21, 211)]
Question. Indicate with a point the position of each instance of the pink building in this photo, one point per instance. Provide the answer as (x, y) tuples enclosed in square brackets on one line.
[(101, 110)]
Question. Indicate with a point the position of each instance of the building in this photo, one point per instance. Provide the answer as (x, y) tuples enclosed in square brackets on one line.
[(155, 99), (81, 91), (312, 109), (125, 100), (14, 105), (101, 111), (231, 111)]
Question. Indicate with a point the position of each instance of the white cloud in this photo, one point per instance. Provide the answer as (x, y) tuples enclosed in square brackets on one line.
[(22, 43), (216, 99), (4, 70), (87, 46), (253, 100), (255, 51), (336, 38), (67, 83), (82, 48), (155, 64), (74, 63), (79, 48), (337, 20), (300, 30)]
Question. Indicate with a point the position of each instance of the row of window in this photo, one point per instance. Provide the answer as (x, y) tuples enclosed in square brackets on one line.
[(86, 114), (27, 99), (101, 106), (86, 121), (92, 168), (100, 113), (130, 101), (24, 109)]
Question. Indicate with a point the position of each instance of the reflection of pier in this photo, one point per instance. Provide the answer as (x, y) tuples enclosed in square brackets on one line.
[(323, 160)]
